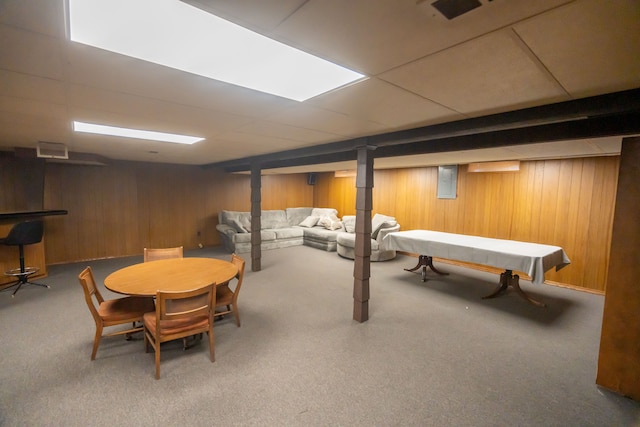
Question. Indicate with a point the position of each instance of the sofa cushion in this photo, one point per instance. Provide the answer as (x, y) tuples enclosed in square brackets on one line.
[(246, 237), (321, 212), (381, 221), (288, 233), (320, 233), (349, 240), (235, 223), (309, 221), (225, 217), (245, 221), (296, 215), (273, 219), (349, 222)]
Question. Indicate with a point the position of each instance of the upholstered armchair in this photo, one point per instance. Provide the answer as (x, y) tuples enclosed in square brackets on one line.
[(381, 225)]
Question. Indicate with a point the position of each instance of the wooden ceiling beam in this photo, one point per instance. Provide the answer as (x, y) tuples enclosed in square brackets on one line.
[(603, 115)]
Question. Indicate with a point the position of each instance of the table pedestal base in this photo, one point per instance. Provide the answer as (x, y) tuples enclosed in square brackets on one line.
[(425, 261), (506, 279), (509, 279)]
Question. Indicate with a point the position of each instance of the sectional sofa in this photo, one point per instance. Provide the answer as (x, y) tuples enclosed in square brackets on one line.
[(279, 229), (316, 227)]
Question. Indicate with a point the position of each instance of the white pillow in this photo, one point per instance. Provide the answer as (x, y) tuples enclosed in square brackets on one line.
[(309, 221), (381, 221), (330, 222)]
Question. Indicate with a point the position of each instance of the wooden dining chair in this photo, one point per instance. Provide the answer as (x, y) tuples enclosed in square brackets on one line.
[(180, 314), (113, 312), (154, 254), (225, 297)]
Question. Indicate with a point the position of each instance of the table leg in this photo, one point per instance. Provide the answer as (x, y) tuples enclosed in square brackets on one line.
[(509, 279), (425, 261)]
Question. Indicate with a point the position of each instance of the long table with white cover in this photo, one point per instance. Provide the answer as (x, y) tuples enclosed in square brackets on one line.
[(534, 259)]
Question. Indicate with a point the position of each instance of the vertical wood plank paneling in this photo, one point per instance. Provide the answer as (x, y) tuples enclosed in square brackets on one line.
[(116, 210), (119, 209), (568, 203), (284, 191)]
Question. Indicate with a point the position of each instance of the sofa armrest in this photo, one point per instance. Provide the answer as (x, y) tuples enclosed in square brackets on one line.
[(226, 234), (226, 229), (384, 231)]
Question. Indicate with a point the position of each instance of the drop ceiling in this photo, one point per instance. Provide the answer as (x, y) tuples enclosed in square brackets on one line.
[(423, 69)]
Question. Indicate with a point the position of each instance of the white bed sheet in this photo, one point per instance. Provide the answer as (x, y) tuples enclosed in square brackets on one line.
[(530, 258)]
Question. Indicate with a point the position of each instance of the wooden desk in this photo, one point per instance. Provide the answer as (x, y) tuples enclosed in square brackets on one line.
[(530, 258), (175, 274)]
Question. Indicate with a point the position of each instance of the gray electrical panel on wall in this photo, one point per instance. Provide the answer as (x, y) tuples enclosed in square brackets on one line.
[(447, 181)]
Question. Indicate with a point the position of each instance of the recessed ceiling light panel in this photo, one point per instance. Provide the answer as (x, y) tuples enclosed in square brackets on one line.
[(180, 36), (134, 133)]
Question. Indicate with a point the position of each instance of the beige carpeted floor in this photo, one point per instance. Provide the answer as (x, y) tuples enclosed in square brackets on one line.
[(432, 354)]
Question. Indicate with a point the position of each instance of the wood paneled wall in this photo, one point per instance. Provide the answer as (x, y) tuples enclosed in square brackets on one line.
[(119, 209), (568, 203)]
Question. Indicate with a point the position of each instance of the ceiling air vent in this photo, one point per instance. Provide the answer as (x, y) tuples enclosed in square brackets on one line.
[(454, 8), (52, 150)]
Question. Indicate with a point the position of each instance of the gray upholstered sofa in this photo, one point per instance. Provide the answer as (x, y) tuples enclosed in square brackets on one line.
[(281, 228), (381, 225)]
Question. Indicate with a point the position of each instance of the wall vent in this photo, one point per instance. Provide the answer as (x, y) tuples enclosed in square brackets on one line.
[(52, 150)]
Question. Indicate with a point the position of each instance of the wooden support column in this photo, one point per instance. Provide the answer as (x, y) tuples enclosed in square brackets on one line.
[(256, 214), (362, 260), (619, 359)]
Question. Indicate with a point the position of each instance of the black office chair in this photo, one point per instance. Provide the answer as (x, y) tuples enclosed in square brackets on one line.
[(23, 233)]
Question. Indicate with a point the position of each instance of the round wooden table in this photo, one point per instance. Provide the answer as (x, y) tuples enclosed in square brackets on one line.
[(175, 274)]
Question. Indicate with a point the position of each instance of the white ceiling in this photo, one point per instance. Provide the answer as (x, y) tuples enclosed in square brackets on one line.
[(423, 69)]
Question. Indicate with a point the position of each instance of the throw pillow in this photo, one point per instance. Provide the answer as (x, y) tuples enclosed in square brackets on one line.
[(379, 221), (309, 221), (322, 212), (330, 222), (237, 226)]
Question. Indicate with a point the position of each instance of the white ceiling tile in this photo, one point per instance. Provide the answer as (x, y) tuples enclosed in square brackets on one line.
[(378, 101), (292, 133), (486, 75), (30, 53), (25, 86), (318, 119), (376, 36), (590, 46), (250, 13), (34, 15)]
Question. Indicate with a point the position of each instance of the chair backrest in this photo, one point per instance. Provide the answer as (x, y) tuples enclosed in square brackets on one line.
[(154, 254), (173, 305), (25, 233), (240, 263), (91, 291)]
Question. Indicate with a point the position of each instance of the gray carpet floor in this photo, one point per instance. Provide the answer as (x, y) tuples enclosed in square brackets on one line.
[(431, 354)]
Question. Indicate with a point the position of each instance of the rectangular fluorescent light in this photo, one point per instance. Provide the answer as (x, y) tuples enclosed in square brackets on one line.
[(180, 36), (134, 133), (505, 166)]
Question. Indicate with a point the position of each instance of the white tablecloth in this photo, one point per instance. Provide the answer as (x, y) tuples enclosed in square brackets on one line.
[(530, 258)]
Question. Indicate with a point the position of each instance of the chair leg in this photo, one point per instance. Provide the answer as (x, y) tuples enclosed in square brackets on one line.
[(157, 349), (236, 313), (212, 354), (96, 341)]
